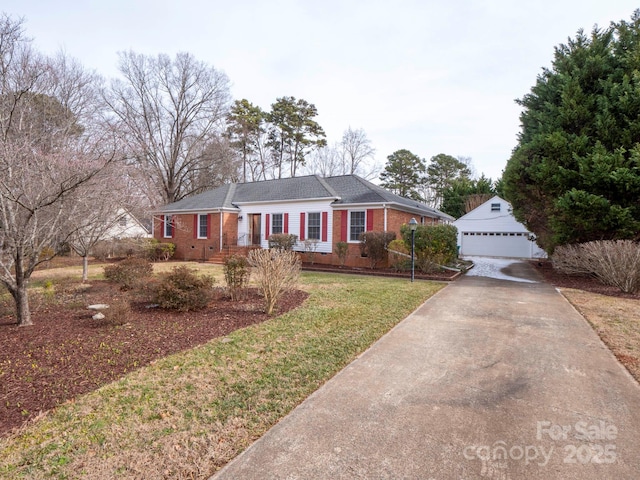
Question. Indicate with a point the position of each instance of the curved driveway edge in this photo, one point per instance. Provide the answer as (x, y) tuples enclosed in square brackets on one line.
[(487, 379)]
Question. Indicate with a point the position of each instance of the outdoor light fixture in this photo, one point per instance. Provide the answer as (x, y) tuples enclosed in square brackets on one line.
[(412, 226), (239, 217)]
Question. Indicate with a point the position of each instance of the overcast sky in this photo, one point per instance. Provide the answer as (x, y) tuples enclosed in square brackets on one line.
[(428, 76)]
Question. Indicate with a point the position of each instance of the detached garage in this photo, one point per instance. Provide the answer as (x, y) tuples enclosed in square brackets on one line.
[(491, 230)]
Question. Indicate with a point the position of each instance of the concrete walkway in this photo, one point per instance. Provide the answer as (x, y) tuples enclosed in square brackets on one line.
[(490, 378)]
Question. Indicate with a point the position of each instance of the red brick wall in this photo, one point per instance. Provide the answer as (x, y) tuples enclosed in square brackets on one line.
[(188, 247), (395, 219)]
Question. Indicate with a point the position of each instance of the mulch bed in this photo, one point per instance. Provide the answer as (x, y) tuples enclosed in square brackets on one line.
[(66, 353), (444, 275), (580, 282)]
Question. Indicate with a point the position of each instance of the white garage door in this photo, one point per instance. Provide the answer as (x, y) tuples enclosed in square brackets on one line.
[(496, 244)]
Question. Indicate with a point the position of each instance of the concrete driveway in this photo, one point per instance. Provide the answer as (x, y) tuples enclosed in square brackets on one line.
[(495, 378)]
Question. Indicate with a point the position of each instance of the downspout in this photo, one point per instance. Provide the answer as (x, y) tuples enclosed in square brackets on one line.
[(384, 206), (221, 214)]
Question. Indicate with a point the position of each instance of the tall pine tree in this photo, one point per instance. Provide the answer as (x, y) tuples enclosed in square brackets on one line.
[(403, 174)]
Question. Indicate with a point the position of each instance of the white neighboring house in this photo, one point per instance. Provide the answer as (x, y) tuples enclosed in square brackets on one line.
[(491, 230), (126, 225)]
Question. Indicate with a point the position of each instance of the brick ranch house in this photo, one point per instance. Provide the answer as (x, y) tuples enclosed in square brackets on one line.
[(325, 210)]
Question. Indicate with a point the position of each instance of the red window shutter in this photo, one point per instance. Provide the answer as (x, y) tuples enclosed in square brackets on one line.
[(285, 227), (267, 228), (209, 222), (302, 227), (195, 225), (369, 220), (325, 225), (173, 226), (162, 226), (344, 225)]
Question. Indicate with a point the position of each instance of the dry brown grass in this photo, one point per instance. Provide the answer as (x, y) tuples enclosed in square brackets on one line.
[(617, 322)]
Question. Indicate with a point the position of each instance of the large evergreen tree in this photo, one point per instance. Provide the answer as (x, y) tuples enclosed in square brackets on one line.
[(443, 171), (575, 173), (293, 132), (403, 174), (463, 195)]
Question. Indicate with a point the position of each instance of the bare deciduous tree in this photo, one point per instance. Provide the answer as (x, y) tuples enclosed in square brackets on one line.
[(169, 112), (102, 204), (356, 150), (52, 143), (326, 162)]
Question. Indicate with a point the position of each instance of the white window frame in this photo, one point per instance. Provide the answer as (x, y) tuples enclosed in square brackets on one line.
[(364, 225), (273, 217), (199, 226), (308, 223), (495, 207), (168, 226)]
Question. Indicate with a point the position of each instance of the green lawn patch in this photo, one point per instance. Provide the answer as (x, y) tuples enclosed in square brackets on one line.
[(187, 415)]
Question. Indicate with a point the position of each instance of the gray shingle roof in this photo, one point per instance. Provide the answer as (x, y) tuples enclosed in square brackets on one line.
[(344, 190)]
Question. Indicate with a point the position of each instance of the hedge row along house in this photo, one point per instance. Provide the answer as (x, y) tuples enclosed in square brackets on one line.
[(320, 211)]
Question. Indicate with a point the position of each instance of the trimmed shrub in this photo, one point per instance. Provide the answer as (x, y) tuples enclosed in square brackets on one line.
[(276, 272), (435, 245), (373, 245), (282, 241), (130, 273), (160, 252), (612, 262), (236, 274), (341, 250), (184, 290), (398, 262)]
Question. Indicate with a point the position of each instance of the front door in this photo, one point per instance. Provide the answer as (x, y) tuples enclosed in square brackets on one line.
[(254, 228)]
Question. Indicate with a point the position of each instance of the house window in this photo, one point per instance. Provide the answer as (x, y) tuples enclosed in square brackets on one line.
[(168, 226), (313, 226), (495, 207), (202, 225), (276, 223), (122, 221), (356, 225)]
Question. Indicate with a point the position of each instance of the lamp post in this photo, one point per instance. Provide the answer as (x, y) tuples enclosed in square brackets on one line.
[(412, 226)]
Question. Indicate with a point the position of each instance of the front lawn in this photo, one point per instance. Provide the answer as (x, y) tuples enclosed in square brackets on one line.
[(186, 415)]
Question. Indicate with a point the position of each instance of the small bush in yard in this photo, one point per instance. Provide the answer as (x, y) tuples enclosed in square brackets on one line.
[(129, 273), (373, 245), (183, 289), (160, 252), (613, 262), (341, 250), (118, 313), (276, 272), (310, 248), (282, 241), (236, 274)]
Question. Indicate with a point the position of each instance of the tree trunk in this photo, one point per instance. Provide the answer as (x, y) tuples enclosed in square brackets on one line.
[(21, 297), (85, 268)]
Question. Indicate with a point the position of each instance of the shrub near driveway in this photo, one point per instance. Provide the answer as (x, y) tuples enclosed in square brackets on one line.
[(188, 414)]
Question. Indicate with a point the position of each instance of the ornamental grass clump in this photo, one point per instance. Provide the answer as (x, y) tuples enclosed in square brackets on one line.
[(275, 272), (613, 262)]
